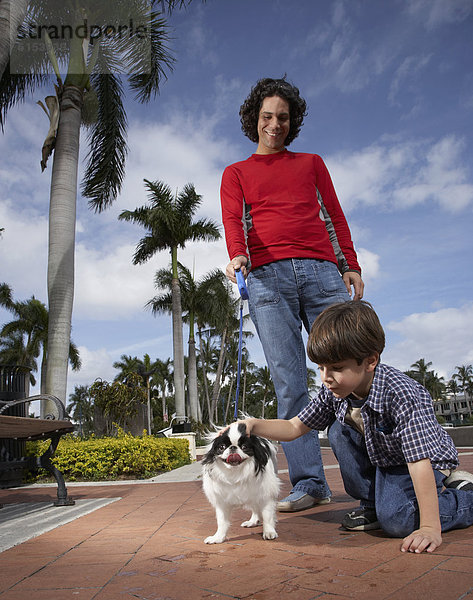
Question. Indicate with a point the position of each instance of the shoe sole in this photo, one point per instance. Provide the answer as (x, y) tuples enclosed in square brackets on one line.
[(364, 527), (286, 507)]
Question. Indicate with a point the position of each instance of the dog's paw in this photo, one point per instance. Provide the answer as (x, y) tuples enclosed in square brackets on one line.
[(270, 534), (214, 539), (251, 523)]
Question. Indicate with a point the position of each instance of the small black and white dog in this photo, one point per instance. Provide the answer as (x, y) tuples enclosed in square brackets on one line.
[(240, 471)]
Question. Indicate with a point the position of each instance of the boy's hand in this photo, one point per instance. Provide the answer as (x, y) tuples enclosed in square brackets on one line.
[(424, 538), (247, 422)]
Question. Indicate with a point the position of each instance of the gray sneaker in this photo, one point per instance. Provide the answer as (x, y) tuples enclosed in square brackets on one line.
[(299, 501), (361, 519)]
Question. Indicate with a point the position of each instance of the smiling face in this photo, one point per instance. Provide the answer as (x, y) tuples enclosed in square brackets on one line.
[(348, 377), (273, 125)]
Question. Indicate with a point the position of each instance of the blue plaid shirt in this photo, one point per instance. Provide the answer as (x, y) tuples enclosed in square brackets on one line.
[(399, 421)]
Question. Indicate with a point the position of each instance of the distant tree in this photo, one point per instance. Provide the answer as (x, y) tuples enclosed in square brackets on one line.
[(118, 402), (126, 366), (163, 303), (31, 323), (265, 384), (145, 368), (435, 385), (419, 369), (464, 375), (81, 409), (162, 381), (453, 388), (312, 386), (168, 221)]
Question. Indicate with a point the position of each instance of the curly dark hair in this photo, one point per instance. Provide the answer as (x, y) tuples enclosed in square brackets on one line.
[(249, 110)]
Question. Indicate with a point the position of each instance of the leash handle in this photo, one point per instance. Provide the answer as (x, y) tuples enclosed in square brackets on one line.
[(241, 284)]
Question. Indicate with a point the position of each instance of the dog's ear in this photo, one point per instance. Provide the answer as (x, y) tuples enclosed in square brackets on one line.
[(261, 451)]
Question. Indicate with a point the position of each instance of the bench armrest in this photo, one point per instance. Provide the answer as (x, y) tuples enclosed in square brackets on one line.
[(62, 415)]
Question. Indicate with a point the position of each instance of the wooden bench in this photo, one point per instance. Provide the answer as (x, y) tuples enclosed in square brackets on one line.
[(29, 428)]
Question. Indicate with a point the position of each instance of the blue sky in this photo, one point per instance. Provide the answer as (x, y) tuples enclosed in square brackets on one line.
[(389, 87)]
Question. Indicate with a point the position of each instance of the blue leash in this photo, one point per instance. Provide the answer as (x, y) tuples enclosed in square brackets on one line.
[(243, 296)]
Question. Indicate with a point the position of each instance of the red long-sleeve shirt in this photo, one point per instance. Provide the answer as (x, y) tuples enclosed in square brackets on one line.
[(279, 206)]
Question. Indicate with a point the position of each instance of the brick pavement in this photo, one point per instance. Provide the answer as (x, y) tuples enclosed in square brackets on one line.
[(149, 546)]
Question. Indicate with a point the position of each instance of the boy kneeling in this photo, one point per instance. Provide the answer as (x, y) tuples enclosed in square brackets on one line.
[(394, 456)]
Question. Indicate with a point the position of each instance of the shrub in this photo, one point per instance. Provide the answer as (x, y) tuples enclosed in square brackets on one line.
[(124, 456)]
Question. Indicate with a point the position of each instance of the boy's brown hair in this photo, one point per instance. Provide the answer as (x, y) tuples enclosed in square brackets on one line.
[(344, 331)]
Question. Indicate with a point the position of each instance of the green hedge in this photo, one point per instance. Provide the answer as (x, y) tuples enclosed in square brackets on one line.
[(124, 456)]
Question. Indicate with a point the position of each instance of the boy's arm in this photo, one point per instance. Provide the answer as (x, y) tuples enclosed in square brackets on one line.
[(429, 535), (280, 430)]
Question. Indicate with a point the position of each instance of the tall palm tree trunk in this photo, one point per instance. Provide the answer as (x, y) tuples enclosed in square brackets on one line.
[(12, 14), (192, 367), (218, 376), (229, 400), (204, 376), (62, 219), (177, 341)]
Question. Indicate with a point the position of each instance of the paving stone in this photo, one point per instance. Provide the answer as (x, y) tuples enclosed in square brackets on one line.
[(149, 545)]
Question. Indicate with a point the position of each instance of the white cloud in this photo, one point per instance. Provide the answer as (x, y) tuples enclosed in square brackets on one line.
[(109, 286), (400, 174), (183, 150), (407, 76), (95, 364), (442, 337), (369, 263), (24, 244), (434, 13)]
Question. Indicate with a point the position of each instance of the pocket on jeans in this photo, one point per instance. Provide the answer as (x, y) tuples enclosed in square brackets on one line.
[(263, 286), (329, 279)]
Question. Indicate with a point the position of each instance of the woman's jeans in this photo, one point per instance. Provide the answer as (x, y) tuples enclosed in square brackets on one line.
[(390, 490), (283, 296)]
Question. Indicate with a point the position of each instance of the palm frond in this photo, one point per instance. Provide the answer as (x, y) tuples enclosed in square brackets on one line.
[(205, 229), (160, 304), (163, 278), (107, 141), (188, 200), (15, 88), (147, 247), (74, 357), (149, 59)]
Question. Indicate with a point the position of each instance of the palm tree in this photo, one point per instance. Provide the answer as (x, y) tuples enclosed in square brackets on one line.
[(435, 385), (420, 370), (196, 301), (81, 409), (14, 352), (312, 386), (208, 302), (168, 220), (464, 375), (163, 303), (91, 65), (265, 383), (147, 368), (12, 15), (453, 388), (31, 322), (162, 381)]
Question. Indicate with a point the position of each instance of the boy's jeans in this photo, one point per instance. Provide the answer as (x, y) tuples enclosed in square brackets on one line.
[(282, 296), (390, 489)]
